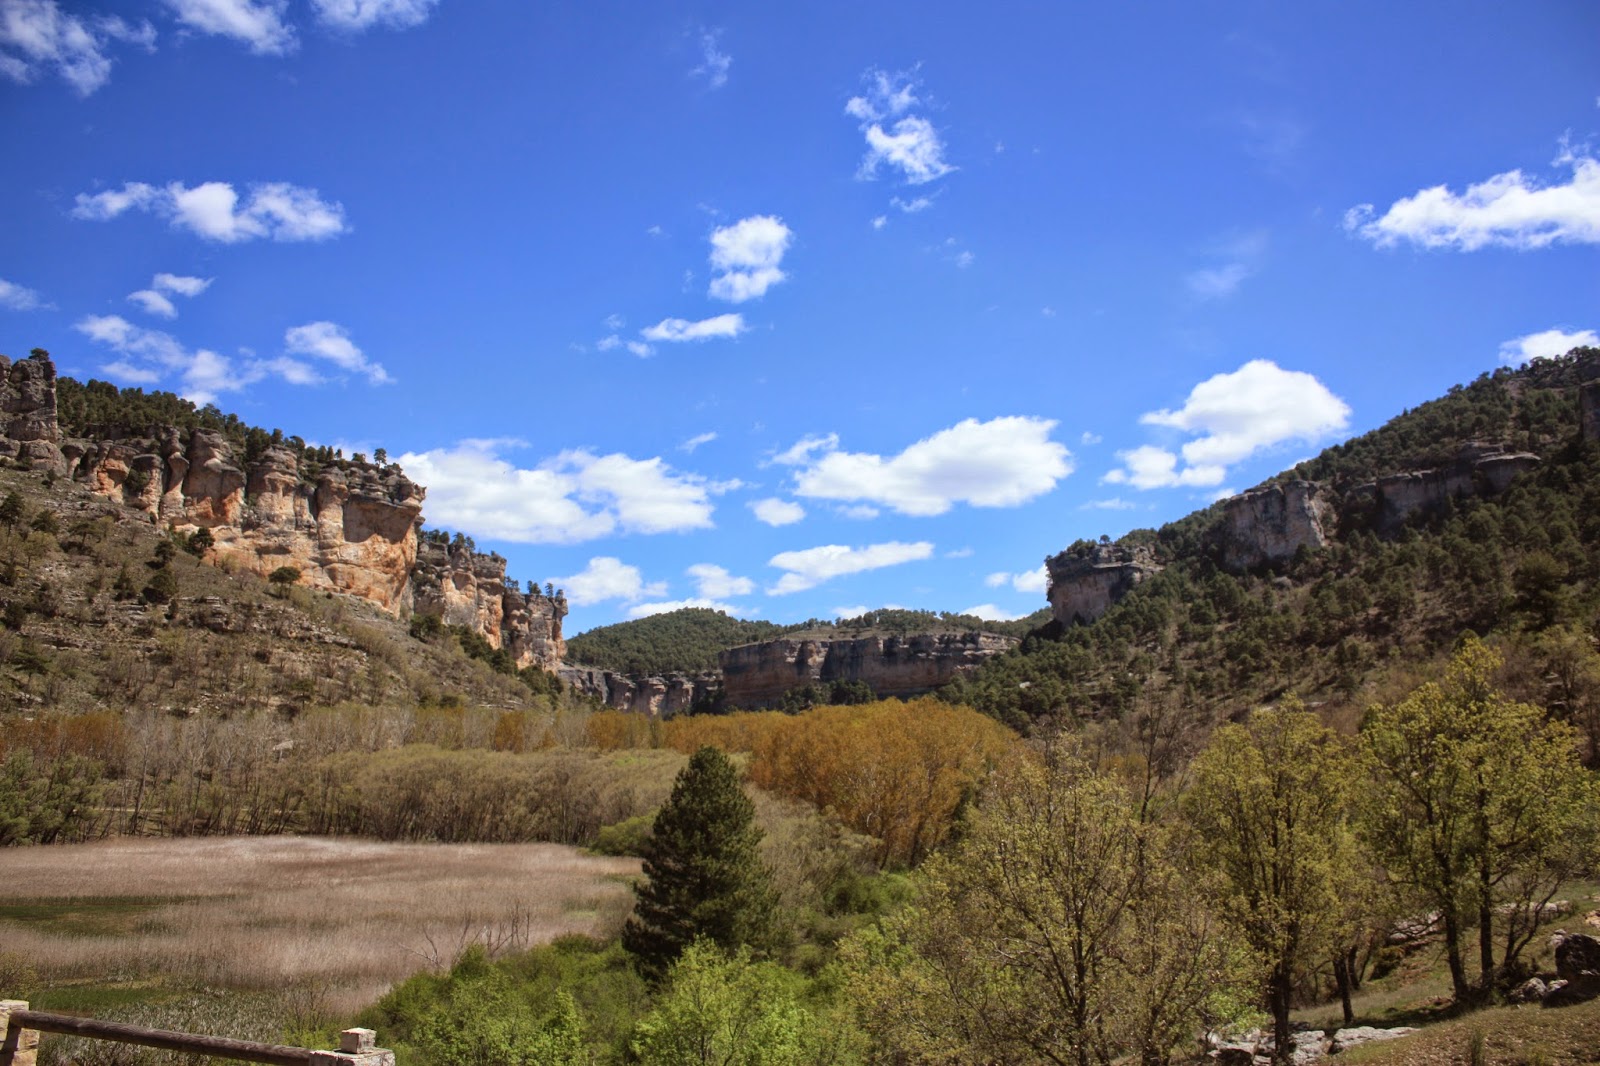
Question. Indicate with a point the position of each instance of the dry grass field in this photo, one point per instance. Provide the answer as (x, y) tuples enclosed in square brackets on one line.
[(111, 923)]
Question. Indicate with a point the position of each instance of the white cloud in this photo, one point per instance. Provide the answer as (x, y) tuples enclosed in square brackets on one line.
[(1115, 503), (1027, 581), (122, 370), (911, 207), (154, 303), (910, 143), (1216, 282), (675, 330), (644, 610), (1510, 210), (14, 297), (959, 553), (257, 23), (1255, 407), (180, 284), (695, 441), (641, 349), (1088, 438), (1546, 345), (328, 340), (607, 578), (860, 512), (712, 581), (605, 344), (204, 374), (990, 613), (851, 612), (1150, 467), (35, 34), (776, 512), (812, 566), (963, 259), (880, 221), (364, 14), (211, 210), (1004, 462), (715, 64), (573, 497), (615, 322), (746, 256)]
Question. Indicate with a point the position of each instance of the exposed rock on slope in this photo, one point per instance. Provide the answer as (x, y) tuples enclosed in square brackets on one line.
[(1084, 583), (657, 697), (757, 675), (467, 588), (28, 428), (1479, 470), (1266, 527)]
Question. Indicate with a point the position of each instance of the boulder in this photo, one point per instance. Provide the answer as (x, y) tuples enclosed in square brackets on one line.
[(1577, 954), (1355, 1036)]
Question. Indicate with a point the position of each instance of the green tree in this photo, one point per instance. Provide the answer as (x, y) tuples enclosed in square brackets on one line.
[(725, 1011), (162, 587), (1056, 930), (704, 878), (200, 542), (281, 578), (1269, 801), (12, 511), (1481, 807)]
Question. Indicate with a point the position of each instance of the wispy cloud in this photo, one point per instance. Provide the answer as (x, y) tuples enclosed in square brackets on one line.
[(331, 342), (715, 62), (1510, 210), (812, 566), (677, 330), (212, 210), (896, 138), (14, 297), (358, 15), (695, 441), (1027, 581), (257, 23), (37, 35), (156, 301)]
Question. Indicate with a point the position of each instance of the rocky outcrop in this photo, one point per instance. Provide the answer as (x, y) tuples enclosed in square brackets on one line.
[(1266, 527), (656, 697), (29, 431), (1086, 581), (757, 675), (467, 588), (1479, 469)]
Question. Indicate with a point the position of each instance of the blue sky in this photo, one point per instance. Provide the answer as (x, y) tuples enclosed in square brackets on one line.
[(809, 310)]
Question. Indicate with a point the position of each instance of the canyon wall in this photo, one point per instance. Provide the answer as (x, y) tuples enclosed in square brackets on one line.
[(757, 675), (347, 527), (1266, 527), (1479, 469), (1085, 583), (656, 696)]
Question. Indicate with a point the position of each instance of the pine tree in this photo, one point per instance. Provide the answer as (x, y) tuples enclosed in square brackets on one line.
[(704, 874)]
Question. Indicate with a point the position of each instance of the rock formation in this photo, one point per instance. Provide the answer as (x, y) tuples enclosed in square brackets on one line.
[(757, 675), (657, 697), (1086, 581), (1479, 469), (348, 527), (467, 588), (1265, 527)]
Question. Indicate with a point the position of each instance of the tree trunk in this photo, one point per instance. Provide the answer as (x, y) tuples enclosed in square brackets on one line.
[(1341, 974), (1458, 970), (1487, 973), (1279, 992)]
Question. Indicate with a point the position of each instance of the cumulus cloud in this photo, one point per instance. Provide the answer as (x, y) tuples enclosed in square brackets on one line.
[(1510, 210), (644, 610), (257, 23), (607, 578), (212, 210), (715, 62), (746, 257), (572, 497), (328, 340), (14, 297), (357, 15), (1236, 415), (677, 330), (713, 582), (895, 138), (1546, 345), (1003, 462), (990, 613), (155, 301), (151, 356), (37, 35), (810, 567), (1027, 581), (776, 512)]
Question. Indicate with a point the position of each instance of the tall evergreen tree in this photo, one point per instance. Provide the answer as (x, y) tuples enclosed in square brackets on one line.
[(704, 874)]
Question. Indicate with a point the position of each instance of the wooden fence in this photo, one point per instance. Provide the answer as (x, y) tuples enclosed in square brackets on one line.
[(21, 1028)]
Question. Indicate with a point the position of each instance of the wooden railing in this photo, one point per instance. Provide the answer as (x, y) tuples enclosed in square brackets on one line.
[(21, 1028)]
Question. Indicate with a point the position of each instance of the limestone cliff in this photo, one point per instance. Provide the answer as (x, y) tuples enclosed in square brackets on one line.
[(467, 588), (349, 527), (1086, 580), (1479, 469), (757, 675), (656, 697), (1267, 526)]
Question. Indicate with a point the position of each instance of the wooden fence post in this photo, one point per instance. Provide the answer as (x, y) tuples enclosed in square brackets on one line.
[(355, 1049), (18, 1046)]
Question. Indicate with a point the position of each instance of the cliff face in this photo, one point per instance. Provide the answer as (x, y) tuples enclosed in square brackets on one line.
[(656, 697), (467, 588), (1265, 527), (348, 527), (1479, 470), (1084, 586), (757, 675)]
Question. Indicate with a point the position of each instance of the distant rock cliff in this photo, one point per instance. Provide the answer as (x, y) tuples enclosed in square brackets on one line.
[(1266, 527), (348, 527), (757, 675), (1479, 470), (656, 697), (1086, 580)]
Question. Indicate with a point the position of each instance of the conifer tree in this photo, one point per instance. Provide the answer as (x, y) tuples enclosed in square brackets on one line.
[(704, 874)]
